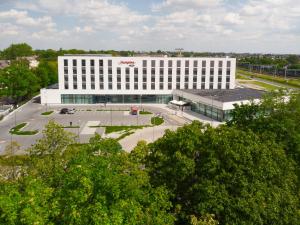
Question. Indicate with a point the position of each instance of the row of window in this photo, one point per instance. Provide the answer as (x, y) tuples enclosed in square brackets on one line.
[(153, 63), (152, 71), (144, 84)]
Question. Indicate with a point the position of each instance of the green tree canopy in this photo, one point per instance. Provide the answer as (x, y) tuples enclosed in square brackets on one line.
[(238, 176), (17, 81), (17, 50)]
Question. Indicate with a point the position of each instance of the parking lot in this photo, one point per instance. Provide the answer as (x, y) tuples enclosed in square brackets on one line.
[(81, 121)]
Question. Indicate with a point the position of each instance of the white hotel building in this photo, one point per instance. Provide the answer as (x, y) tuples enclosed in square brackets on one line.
[(92, 79), (206, 85)]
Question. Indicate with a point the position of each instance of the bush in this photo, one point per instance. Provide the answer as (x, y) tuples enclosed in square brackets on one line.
[(47, 113), (17, 130), (157, 121)]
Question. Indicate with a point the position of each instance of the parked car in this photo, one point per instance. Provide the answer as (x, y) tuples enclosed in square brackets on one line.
[(64, 111), (67, 111)]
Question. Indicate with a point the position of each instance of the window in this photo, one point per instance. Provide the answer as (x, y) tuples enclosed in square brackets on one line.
[(110, 86), (211, 71), (152, 86), (203, 79), (127, 86), (93, 86), (144, 86), (66, 71), (219, 79), (83, 71), (74, 71), (228, 64), (74, 86), (194, 79), (194, 71), (187, 63), (119, 71), (203, 71), (152, 63), (127, 71), (169, 71), (65, 62), (136, 71), (152, 71), (144, 71), (211, 86), (177, 79), (144, 79), (203, 63), (220, 63), (92, 70), (74, 62), (212, 63), (186, 71), (161, 63), (228, 72), (169, 86), (66, 78), (195, 63), (101, 71), (101, 63), (161, 71), (227, 86), (161, 86), (194, 86), (109, 78), (110, 63), (220, 72), (169, 78), (219, 86), (109, 70), (186, 86), (66, 86), (92, 62), (101, 86), (178, 71), (227, 79), (202, 86), (118, 78), (177, 86), (92, 78), (170, 63), (211, 79), (178, 63), (83, 86), (83, 62), (118, 86), (135, 86), (144, 63)]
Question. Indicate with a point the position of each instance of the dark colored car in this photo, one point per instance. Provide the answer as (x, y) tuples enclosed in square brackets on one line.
[(64, 111)]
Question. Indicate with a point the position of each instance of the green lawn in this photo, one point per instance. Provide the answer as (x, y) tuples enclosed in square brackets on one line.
[(268, 87), (291, 82), (17, 130), (145, 113), (47, 113), (71, 127), (157, 121), (127, 133)]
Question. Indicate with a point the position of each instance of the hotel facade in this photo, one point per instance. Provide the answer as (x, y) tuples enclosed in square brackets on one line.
[(96, 79)]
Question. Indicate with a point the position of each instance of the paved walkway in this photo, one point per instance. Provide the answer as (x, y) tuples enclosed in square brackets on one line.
[(149, 134)]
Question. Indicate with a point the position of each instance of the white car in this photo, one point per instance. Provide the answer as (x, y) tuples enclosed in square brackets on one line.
[(71, 111)]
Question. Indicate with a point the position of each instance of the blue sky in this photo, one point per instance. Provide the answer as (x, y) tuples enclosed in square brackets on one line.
[(261, 26)]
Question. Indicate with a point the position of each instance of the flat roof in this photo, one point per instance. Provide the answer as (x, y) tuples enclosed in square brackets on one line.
[(228, 95)]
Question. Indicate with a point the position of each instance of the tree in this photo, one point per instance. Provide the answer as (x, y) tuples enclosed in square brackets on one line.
[(293, 59), (238, 176), (84, 187), (17, 50), (47, 73), (18, 81)]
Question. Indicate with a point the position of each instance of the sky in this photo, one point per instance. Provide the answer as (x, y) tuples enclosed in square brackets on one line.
[(255, 26)]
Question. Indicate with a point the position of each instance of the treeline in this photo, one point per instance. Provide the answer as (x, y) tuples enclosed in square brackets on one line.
[(244, 172), (290, 61)]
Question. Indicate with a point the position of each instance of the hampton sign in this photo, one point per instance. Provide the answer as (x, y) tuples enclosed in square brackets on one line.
[(129, 63)]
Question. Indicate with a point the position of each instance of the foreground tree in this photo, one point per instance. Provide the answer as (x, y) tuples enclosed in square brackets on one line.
[(95, 183), (236, 175), (17, 50)]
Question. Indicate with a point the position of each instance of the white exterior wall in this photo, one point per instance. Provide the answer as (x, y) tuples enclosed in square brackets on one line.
[(52, 96)]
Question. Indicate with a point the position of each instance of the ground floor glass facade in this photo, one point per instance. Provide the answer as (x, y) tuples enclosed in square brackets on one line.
[(118, 99), (208, 110)]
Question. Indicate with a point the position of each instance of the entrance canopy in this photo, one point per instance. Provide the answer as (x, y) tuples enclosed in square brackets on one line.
[(178, 103)]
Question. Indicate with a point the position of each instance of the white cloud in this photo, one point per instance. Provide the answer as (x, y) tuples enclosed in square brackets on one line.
[(233, 18), (184, 4)]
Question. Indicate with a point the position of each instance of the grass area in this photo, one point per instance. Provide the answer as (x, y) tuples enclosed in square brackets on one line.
[(267, 87), (157, 121), (112, 129), (17, 130), (290, 82), (241, 77), (71, 127), (145, 113), (47, 113), (125, 135)]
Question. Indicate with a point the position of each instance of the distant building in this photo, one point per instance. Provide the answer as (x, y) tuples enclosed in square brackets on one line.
[(4, 63), (33, 62)]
